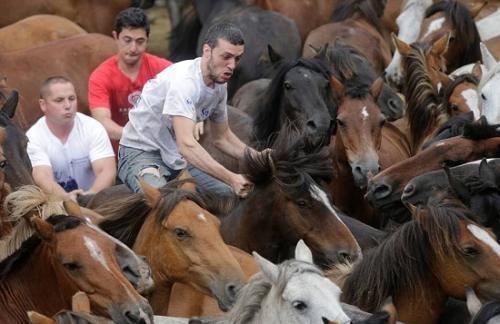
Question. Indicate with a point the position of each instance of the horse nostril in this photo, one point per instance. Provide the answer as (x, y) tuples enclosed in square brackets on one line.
[(392, 103), (133, 317), (344, 256), (381, 191), (231, 291), (311, 124), (408, 190)]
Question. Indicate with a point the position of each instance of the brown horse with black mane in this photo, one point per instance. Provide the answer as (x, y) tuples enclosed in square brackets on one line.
[(437, 254)]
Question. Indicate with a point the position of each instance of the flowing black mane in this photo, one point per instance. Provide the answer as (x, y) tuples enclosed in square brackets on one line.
[(403, 263), (465, 29), (60, 223), (371, 10), (267, 115)]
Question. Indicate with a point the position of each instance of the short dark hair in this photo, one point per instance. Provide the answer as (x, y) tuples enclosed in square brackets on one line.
[(226, 31), (131, 18), (44, 89)]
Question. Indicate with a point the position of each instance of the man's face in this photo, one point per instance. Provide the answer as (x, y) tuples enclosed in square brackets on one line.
[(222, 60), (132, 43), (59, 104)]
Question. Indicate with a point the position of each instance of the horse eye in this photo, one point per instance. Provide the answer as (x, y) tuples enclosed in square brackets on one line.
[(287, 85), (299, 305), (302, 203), (454, 107), (181, 234), (2, 164), (340, 123), (71, 266), (470, 251)]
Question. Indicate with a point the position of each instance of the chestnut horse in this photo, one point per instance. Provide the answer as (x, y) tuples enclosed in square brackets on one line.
[(479, 140), (35, 31), (289, 204), (436, 255), (179, 239), (94, 16), (75, 57), (62, 255)]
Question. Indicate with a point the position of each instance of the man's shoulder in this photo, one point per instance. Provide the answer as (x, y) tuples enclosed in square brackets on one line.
[(156, 60), (33, 131), (107, 67)]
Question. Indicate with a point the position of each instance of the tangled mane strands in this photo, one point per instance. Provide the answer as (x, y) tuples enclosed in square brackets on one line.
[(424, 109), (404, 262), (20, 203)]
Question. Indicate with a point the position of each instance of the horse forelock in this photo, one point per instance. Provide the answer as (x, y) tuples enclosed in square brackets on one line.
[(447, 91), (404, 263), (9, 260), (271, 108), (290, 268)]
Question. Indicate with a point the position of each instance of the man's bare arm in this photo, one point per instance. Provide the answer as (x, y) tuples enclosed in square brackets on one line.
[(105, 174), (44, 178), (103, 115)]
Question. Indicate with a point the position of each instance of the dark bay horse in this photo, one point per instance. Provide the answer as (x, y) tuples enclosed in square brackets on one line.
[(179, 239), (288, 204), (260, 28), (436, 255), (94, 16), (62, 255), (453, 18), (75, 57)]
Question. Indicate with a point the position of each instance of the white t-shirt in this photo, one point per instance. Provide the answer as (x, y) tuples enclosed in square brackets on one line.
[(176, 91), (86, 143)]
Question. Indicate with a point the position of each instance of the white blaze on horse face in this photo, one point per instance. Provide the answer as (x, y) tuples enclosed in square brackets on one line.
[(202, 217), (364, 114), (472, 100), (485, 237), (95, 251), (321, 196), (434, 25)]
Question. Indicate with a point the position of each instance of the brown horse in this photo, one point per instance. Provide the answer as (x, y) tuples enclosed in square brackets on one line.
[(357, 23), (94, 16), (69, 255), (179, 239), (75, 57), (4, 186), (454, 19), (288, 204), (436, 255), (479, 140), (35, 31)]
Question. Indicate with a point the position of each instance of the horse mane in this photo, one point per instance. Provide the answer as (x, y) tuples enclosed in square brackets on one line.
[(293, 162), (269, 109), (250, 297), (20, 203), (487, 312), (183, 38), (125, 216), (465, 27), (489, 75), (453, 127), (402, 264), (352, 69), (447, 91), (371, 10), (480, 130), (10, 262), (424, 109)]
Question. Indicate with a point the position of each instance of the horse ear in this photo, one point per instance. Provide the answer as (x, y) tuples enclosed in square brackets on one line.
[(151, 194), (473, 303), (188, 185), (43, 228), (303, 253), (9, 108), (457, 187), (72, 208), (488, 59), (80, 302), (475, 9), (376, 88), (337, 86), (390, 308), (485, 171), (440, 46), (37, 318), (477, 72), (403, 48), (273, 55), (269, 269)]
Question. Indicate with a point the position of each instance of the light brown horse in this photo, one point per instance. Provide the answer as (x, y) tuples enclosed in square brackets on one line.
[(75, 57), (435, 256), (35, 31), (179, 239), (356, 23), (94, 16), (43, 271)]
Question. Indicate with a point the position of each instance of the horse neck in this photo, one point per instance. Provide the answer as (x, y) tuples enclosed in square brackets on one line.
[(421, 310), (37, 285)]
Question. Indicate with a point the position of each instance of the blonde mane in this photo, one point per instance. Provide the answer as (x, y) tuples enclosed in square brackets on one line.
[(18, 204)]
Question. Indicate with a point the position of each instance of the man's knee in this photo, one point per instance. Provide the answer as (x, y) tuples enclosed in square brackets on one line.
[(152, 176)]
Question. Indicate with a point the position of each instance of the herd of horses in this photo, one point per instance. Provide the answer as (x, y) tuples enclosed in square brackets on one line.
[(380, 192)]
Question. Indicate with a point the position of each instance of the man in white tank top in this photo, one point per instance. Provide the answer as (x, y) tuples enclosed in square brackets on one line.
[(158, 141)]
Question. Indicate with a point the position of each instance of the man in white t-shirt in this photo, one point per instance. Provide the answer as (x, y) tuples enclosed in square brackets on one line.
[(70, 152), (159, 139)]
